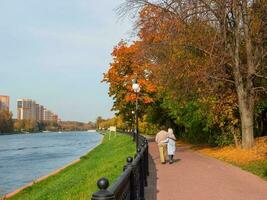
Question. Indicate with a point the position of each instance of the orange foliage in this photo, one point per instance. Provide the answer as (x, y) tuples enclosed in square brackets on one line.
[(238, 155), (129, 63)]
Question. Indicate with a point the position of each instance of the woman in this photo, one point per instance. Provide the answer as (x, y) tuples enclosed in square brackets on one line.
[(171, 143)]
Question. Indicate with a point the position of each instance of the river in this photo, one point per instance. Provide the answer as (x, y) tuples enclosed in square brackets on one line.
[(26, 157)]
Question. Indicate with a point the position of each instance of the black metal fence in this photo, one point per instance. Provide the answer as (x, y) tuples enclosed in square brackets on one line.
[(131, 183)]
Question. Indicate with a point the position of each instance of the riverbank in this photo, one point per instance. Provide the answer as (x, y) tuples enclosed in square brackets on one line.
[(11, 194), (26, 157), (78, 181)]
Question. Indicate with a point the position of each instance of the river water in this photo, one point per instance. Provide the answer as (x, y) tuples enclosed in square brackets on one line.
[(26, 157)]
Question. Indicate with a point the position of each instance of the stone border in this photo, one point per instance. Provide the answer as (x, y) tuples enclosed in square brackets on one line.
[(11, 194)]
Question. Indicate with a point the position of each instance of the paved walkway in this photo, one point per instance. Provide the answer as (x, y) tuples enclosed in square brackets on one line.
[(197, 177)]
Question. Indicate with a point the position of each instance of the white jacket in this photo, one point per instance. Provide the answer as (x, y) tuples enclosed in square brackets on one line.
[(171, 146)]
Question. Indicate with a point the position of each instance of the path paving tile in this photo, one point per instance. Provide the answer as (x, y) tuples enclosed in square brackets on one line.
[(197, 177)]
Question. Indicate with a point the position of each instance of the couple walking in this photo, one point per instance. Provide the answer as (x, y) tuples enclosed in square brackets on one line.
[(166, 143)]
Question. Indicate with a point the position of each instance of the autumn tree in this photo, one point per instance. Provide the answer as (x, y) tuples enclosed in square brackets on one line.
[(6, 122), (180, 71), (99, 119), (128, 64), (229, 35)]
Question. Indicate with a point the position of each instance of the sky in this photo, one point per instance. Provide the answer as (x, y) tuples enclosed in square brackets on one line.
[(56, 51)]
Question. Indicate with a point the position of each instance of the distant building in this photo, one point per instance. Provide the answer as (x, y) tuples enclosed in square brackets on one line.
[(30, 110), (39, 112), (26, 109), (4, 102), (55, 118), (48, 115)]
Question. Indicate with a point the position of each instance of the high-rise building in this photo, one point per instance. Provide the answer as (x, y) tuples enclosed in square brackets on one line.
[(37, 108), (41, 113), (4, 102), (29, 110), (47, 115), (26, 109)]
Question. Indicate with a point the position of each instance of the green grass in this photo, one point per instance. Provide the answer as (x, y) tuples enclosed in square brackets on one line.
[(79, 180), (258, 168)]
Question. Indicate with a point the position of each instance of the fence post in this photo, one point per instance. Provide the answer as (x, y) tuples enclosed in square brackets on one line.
[(144, 164), (103, 193), (132, 178), (141, 178), (147, 160), (134, 186)]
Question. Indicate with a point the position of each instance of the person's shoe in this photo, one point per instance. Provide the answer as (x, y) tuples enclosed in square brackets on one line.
[(170, 162), (163, 162)]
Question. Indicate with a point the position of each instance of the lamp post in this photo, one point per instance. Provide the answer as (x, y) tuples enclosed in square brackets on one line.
[(132, 127), (136, 89)]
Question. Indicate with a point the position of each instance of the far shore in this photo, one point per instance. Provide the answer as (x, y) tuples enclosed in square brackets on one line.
[(46, 131)]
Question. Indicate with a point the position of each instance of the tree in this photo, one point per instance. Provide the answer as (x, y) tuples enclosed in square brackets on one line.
[(230, 35), (128, 64), (99, 119), (6, 122)]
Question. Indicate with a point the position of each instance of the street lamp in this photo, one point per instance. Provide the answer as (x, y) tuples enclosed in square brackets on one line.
[(133, 131), (136, 89)]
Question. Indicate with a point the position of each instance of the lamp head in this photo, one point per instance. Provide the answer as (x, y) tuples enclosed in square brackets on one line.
[(136, 87)]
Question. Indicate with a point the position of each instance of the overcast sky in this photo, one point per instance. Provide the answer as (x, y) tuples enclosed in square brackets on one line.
[(55, 52)]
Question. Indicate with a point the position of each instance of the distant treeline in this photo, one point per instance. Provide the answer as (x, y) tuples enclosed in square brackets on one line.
[(6, 122), (8, 125)]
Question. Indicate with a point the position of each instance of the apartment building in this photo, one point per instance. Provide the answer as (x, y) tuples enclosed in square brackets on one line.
[(4, 102), (47, 115), (26, 109), (39, 112), (50, 116)]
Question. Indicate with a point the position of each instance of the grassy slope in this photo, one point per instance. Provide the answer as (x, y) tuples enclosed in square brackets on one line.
[(79, 181), (258, 168)]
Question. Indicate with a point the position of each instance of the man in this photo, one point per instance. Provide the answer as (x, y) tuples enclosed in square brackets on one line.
[(161, 136)]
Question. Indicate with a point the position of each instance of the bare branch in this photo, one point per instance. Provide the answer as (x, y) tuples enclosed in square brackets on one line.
[(260, 89), (260, 76), (260, 60), (221, 79)]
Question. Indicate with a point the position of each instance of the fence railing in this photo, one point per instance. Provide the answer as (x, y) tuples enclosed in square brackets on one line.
[(130, 185)]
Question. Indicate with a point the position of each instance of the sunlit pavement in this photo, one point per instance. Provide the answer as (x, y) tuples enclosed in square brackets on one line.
[(197, 177)]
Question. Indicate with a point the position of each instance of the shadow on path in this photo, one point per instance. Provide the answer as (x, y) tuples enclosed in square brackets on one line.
[(151, 189)]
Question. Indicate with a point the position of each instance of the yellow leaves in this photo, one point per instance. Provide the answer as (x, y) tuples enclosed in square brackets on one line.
[(115, 121), (223, 109), (238, 155), (235, 121)]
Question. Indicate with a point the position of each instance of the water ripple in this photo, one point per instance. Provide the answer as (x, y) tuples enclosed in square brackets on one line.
[(26, 157)]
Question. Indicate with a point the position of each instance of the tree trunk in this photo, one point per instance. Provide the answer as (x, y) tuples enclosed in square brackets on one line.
[(245, 98), (247, 126), (246, 107)]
